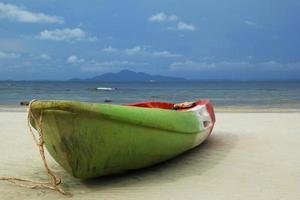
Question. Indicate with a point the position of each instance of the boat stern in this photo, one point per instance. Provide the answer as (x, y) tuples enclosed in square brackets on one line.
[(205, 114)]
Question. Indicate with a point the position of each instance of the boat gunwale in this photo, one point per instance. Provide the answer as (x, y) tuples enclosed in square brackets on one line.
[(84, 107), (93, 109)]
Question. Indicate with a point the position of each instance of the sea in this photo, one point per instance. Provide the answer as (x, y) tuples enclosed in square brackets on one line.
[(257, 94)]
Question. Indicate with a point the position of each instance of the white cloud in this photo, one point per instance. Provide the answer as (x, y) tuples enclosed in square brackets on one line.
[(161, 17), (140, 50), (182, 26), (277, 66), (130, 51), (250, 23), (204, 66), (134, 50), (165, 54), (233, 66), (74, 60), (45, 56), (19, 14), (173, 17), (8, 55), (114, 63), (190, 65), (109, 65), (66, 34), (109, 49), (185, 27), (206, 58)]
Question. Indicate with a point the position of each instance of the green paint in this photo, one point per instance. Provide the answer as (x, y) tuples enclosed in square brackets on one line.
[(90, 140)]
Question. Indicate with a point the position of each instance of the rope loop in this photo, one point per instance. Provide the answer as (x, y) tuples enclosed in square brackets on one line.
[(53, 181)]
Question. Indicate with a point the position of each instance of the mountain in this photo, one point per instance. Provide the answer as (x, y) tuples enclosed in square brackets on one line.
[(128, 75)]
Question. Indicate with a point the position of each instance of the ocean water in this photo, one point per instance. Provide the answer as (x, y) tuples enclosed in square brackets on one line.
[(270, 94)]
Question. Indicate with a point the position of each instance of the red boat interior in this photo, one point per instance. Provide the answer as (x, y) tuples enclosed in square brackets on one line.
[(180, 106)]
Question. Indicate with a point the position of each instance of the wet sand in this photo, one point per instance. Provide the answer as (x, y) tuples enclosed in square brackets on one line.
[(248, 156)]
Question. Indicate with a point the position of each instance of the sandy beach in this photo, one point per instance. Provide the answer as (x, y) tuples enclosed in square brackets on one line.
[(250, 155)]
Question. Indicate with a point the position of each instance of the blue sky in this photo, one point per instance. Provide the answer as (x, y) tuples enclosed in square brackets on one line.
[(208, 39)]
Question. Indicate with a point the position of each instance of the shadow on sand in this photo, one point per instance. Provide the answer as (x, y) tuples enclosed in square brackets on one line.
[(193, 162)]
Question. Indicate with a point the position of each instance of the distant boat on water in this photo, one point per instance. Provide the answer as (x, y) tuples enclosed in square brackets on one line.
[(105, 89)]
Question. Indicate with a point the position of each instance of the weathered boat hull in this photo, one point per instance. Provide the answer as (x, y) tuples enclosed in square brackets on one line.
[(90, 140)]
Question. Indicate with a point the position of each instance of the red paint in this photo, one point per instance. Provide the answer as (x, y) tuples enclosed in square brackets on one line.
[(169, 106), (162, 105)]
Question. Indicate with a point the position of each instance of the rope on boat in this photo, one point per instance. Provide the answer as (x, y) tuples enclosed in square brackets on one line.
[(54, 181)]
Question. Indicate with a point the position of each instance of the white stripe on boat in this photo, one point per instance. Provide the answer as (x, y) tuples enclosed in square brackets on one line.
[(205, 123)]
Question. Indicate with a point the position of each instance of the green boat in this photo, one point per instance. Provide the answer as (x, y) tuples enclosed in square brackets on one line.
[(90, 140)]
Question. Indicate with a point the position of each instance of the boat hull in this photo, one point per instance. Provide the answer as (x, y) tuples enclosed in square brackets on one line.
[(90, 140)]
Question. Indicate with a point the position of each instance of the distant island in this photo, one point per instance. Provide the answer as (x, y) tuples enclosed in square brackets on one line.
[(128, 75)]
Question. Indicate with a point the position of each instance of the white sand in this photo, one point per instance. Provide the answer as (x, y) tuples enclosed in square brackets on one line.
[(248, 156)]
